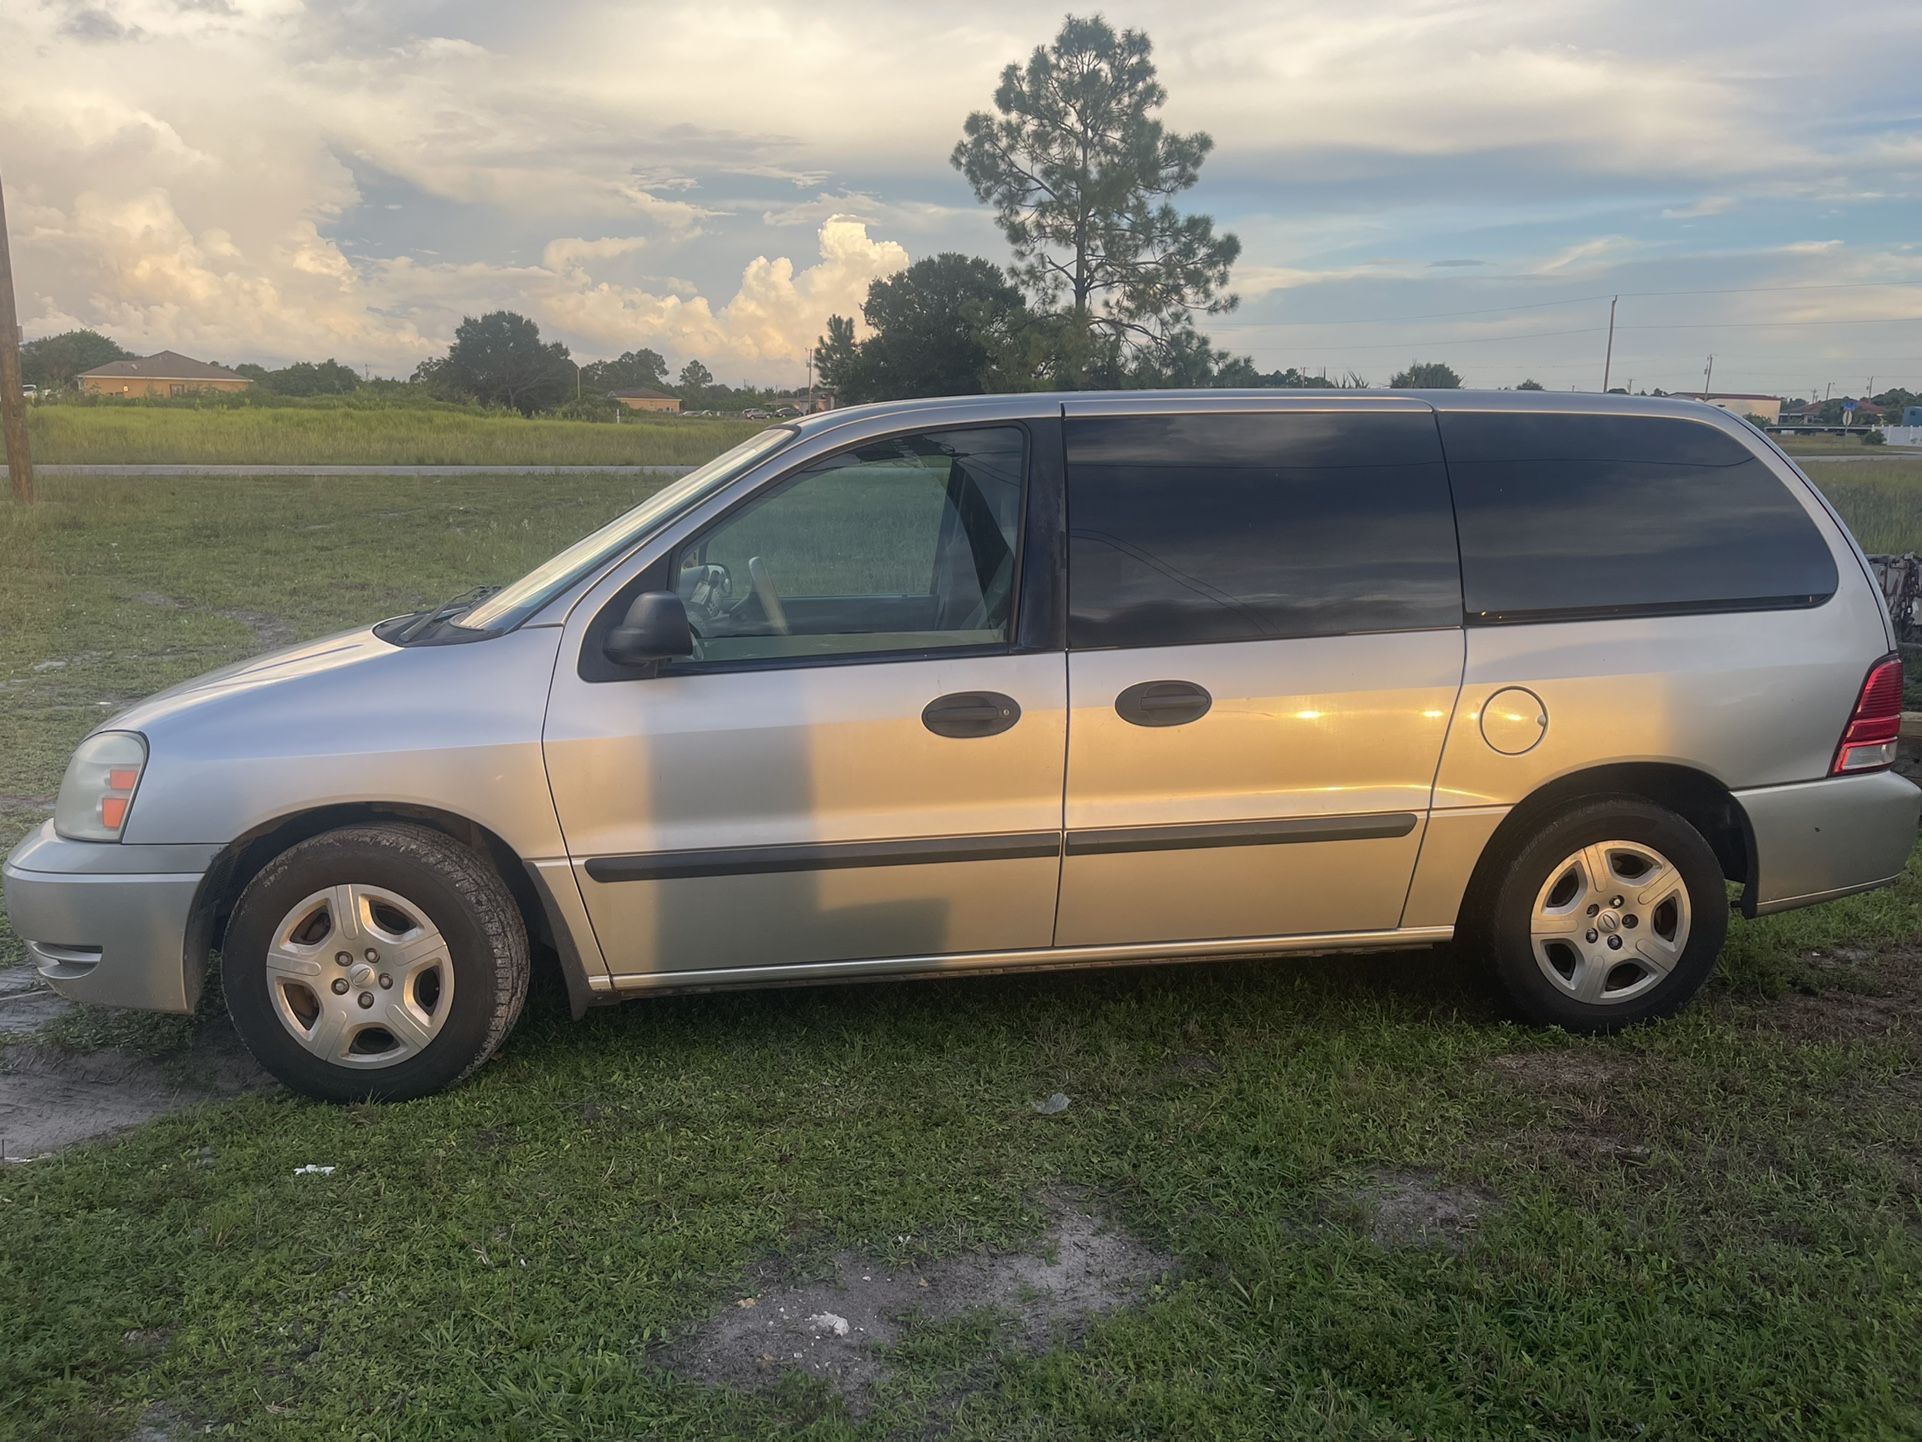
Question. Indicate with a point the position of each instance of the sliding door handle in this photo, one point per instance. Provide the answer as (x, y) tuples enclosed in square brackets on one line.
[(966, 714), (1163, 703)]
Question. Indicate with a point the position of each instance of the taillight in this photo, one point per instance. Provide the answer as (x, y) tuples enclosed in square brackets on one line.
[(1869, 742)]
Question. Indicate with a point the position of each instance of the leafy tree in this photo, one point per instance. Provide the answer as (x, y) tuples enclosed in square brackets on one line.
[(630, 370), (696, 381), (499, 359), (1427, 376), (1531, 385), (1080, 170), (937, 329), (54, 360), (304, 378), (837, 357)]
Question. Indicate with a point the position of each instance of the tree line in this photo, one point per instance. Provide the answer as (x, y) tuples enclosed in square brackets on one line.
[(496, 360)]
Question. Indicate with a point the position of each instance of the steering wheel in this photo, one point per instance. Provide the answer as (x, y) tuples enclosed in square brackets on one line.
[(764, 592)]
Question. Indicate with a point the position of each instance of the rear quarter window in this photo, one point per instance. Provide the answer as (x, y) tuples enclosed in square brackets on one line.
[(1187, 529), (1577, 517)]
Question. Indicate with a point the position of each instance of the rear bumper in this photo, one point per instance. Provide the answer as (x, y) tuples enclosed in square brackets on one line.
[(1822, 839), (108, 923)]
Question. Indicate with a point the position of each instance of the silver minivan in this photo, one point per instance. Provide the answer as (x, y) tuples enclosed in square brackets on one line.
[(1021, 682)]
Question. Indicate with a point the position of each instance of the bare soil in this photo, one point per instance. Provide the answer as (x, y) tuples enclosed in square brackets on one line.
[(839, 1328), (51, 1097), (1417, 1209)]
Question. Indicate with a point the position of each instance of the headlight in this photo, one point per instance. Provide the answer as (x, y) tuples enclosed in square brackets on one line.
[(97, 791)]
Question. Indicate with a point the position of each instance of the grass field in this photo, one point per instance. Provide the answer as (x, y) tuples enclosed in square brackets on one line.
[(1383, 1212), (1880, 499), (1827, 445), (104, 435)]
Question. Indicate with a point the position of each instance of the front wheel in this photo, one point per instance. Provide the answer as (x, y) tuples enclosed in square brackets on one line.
[(378, 962), (1609, 915)]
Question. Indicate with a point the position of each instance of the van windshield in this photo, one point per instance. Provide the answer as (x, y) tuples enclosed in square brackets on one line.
[(513, 604)]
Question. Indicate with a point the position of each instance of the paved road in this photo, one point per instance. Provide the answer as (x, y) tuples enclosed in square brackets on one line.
[(160, 471)]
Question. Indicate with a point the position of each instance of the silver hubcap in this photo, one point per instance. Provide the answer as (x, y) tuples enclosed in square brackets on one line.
[(1610, 922), (360, 976)]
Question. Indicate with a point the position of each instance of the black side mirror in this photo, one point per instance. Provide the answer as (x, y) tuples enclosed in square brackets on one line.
[(654, 630)]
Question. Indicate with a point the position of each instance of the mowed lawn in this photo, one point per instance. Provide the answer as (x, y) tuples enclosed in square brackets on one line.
[(1385, 1212), (346, 435)]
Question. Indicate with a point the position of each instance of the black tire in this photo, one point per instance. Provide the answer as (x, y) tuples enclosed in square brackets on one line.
[(1505, 906), (456, 889)]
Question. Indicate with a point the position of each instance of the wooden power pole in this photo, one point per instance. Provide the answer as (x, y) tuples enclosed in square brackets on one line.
[(13, 399)]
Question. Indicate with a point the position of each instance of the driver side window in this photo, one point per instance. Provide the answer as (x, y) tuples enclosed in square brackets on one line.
[(903, 544)]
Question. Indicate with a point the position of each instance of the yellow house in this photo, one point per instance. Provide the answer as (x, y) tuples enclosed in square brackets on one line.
[(1766, 408), (165, 373), (640, 398)]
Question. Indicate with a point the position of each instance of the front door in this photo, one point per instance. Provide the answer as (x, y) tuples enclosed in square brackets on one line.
[(1265, 648), (859, 763)]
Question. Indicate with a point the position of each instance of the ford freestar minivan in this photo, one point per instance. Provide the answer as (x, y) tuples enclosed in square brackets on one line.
[(1022, 682)]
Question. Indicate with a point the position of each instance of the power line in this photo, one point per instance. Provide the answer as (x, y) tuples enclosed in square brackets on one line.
[(1571, 300), (1772, 324), (1466, 339)]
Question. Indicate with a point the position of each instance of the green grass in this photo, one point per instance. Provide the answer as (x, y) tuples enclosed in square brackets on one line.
[(1824, 445), (405, 437), (1710, 1229), (1880, 499)]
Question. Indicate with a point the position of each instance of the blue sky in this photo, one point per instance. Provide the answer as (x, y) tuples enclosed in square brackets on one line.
[(1444, 179)]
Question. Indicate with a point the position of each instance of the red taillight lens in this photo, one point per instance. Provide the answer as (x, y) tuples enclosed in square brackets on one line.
[(1869, 742)]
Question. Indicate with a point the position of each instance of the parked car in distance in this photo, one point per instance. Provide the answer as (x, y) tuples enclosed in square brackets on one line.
[(754, 413), (999, 683), (30, 392)]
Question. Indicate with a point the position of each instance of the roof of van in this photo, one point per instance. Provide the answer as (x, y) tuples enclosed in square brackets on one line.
[(1043, 403)]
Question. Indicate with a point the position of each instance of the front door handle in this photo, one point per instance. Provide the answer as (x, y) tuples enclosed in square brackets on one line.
[(967, 714), (1163, 703)]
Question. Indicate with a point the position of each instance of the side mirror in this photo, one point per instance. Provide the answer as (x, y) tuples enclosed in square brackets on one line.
[(654, 630)]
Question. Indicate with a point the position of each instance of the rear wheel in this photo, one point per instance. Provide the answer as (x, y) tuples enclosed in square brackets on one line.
[(382, 962), (1609, 915)]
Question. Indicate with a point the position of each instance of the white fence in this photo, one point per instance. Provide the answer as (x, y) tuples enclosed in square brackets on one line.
[(1902, 435)]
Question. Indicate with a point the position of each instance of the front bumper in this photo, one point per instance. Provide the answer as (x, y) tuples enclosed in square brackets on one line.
[(109, 923), (1818, 840)]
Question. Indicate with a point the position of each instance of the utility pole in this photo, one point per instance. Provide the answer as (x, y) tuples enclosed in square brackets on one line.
[(1827, 392), (1608, 356), (810, 376), (1708, 375), (13, 399)]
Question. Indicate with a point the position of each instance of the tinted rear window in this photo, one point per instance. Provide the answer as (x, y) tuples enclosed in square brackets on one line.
[(1200, 528), (1575, 516)]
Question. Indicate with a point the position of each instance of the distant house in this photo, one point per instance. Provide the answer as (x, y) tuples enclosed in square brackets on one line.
[(640, 398), (1765, 408), (164, 373)]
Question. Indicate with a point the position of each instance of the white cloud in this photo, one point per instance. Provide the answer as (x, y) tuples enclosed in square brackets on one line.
[(573, 253), (188, 174), (1585, 256), (1701, 209)]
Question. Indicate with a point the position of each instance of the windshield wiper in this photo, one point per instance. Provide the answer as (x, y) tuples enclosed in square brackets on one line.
[(445, 611)]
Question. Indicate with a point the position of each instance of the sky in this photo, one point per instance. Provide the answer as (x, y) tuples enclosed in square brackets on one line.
[(272, 180)]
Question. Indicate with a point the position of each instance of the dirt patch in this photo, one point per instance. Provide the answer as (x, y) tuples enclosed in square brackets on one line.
[(51, 1098), (1416, 1209), (1574, 1069), (1876, 994), (270, 631), (839, 1328), (26, 1002)]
